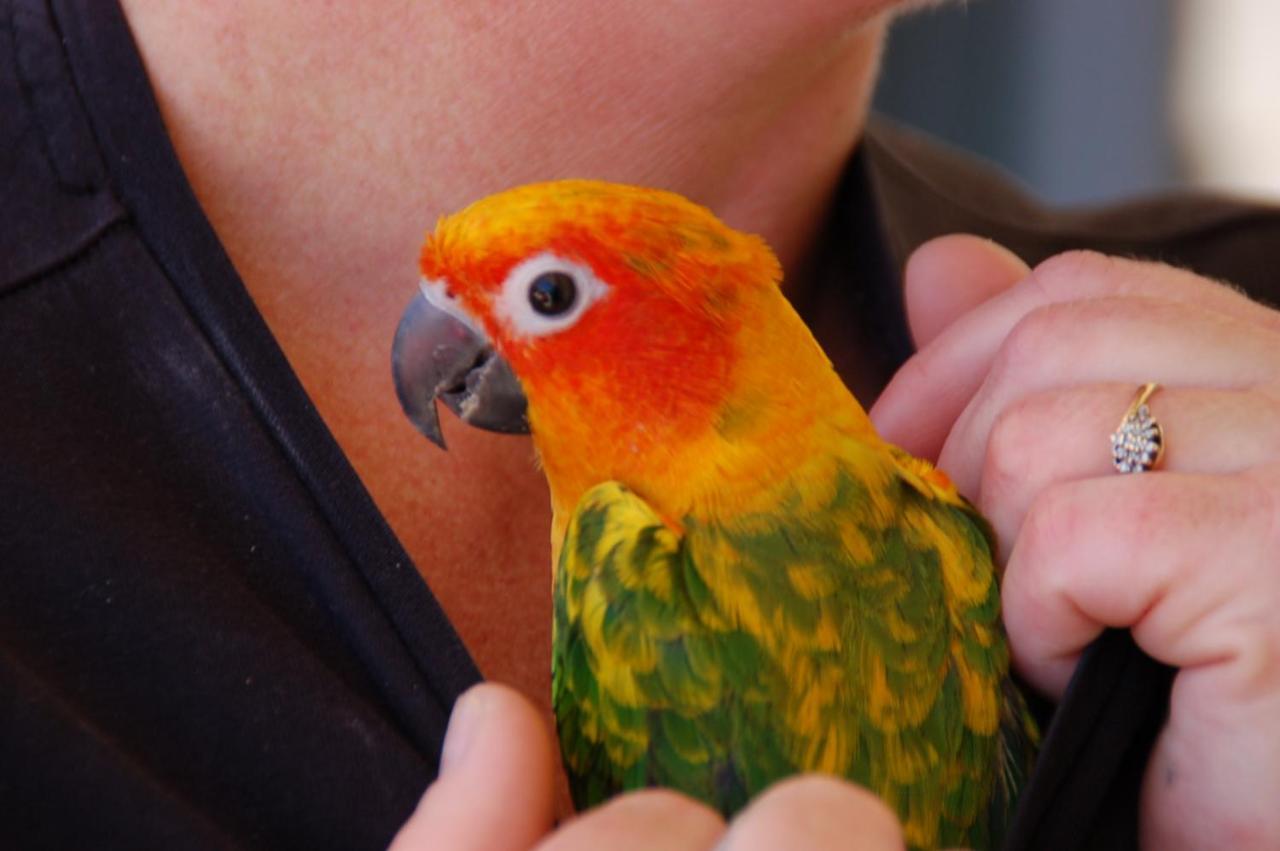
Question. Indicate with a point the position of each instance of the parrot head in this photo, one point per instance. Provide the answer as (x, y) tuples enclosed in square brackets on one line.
[(643, 335)]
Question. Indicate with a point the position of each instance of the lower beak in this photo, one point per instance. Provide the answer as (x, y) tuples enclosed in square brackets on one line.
[(437, 356)]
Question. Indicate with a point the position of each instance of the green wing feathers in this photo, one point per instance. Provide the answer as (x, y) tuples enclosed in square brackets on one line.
[(644, 692), (858, 636)]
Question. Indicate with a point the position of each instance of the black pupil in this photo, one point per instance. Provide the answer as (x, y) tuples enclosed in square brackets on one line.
[(552, 293)]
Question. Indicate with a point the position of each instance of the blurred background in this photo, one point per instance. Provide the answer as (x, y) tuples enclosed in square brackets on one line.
[(1087, 101)]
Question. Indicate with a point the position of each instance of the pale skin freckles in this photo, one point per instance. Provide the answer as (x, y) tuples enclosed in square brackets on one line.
[(323, 148)]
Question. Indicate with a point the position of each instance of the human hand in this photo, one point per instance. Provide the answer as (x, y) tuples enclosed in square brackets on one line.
[(496, 786), (1021, 377)]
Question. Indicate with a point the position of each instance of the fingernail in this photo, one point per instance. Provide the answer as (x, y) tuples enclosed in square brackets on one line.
[(468, 711)]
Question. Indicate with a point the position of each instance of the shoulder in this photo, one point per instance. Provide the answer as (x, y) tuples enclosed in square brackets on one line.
[(613, 526), (925, 189)]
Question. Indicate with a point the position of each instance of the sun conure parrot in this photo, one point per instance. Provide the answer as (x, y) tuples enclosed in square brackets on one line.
[(748, 581)]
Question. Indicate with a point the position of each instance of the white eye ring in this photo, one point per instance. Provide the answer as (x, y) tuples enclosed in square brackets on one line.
[(513, 307)]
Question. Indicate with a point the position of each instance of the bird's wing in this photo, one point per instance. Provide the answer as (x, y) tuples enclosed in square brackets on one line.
[(648, 686), (856, 635)]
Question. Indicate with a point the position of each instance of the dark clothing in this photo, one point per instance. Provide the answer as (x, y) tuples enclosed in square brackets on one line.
[(208, 634), (924, 191)]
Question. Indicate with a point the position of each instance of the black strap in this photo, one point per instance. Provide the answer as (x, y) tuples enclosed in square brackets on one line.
[(1085, 789)]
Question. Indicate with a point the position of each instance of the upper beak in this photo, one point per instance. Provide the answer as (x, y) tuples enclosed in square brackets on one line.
[(438, 356)]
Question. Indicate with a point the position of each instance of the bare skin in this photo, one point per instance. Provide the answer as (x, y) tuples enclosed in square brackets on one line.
[(322, 147)]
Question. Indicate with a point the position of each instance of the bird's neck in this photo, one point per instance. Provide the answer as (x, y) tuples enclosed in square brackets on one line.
[(781, 410)]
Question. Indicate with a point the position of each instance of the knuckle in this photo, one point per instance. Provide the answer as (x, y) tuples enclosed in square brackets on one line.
[(1029, 346), (1050, 527), (656, 800), (1072, 273), (919, 373), (1258, 658), (1264, 414), (1266, 502), (1148, 512), (817, 797), (1017, 435), (1260, 500)]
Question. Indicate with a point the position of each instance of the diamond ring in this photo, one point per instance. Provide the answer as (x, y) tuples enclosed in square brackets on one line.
[(1138, 444)]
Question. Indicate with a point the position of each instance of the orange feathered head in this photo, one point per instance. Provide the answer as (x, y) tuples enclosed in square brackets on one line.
[(580, 277), (620, 310)]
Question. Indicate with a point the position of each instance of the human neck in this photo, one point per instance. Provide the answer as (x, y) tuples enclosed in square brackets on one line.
[(323, 145), (322, 148)]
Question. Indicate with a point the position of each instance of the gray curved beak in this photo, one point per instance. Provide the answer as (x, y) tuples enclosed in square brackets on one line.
[(437, 356)]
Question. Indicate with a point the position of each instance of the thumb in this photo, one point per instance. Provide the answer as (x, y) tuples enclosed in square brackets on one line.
[(949, 276), (495, 791)]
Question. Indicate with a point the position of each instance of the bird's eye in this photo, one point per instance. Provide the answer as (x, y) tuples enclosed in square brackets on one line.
[(545, 294), (553, 293)]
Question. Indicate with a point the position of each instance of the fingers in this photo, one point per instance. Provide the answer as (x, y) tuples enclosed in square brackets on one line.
[(1187, 562), (1048, 438), (926, 397), (815, 812), (641, 821), (1112, 340), (1163, 553), (947, 277), (1017, 399), (495, 793), (944, 280), (495, 789)]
